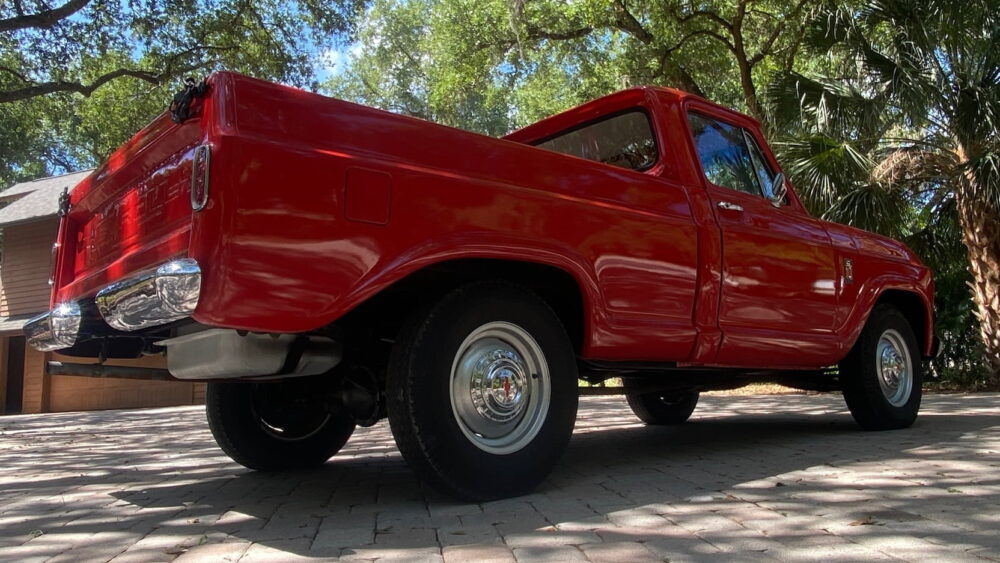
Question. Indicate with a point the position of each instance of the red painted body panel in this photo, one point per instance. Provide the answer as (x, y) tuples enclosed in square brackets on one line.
[(316, 205)]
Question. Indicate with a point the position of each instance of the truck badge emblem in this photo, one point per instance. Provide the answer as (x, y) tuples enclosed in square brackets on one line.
[(848, 271)]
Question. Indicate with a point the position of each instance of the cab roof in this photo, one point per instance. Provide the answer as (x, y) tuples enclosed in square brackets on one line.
[(606, 105)]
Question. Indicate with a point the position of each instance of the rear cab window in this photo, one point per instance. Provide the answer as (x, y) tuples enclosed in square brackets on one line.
[(625, 140)]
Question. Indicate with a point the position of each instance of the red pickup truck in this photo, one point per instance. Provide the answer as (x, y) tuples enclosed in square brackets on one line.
[(324, 265)]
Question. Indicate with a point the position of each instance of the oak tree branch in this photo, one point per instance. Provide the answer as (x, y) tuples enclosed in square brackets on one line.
[(44, 19)]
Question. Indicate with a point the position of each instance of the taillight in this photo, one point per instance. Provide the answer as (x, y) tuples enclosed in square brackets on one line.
[(52, 264), (199, 177)]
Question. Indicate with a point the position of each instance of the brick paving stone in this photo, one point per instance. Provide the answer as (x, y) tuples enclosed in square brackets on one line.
[(684, 549), (553, 554), (397, 538), (551, 538), (466, 535), (754, 478), (289, 551), (588, 524), (27, 553), (217, 552), (334, 536), (414, 555), (478, 553), (619, 552), (159, 545), (637, 519)]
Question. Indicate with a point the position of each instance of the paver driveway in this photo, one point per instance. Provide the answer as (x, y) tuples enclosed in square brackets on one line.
[(756, 477)]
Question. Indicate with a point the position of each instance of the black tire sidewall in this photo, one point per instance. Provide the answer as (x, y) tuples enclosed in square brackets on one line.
[(239, 432), (461, 467), (653, 411), (862, 391)]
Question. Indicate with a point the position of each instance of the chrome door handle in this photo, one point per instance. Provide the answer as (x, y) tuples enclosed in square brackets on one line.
[(730, 206)]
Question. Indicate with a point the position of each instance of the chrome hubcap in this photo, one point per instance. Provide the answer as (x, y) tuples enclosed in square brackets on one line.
[(895, 372), (500, 387), (499, 382)]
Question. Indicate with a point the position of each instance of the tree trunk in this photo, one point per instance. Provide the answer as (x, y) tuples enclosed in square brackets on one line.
[(981, 230), (745, 66), (750, 90)]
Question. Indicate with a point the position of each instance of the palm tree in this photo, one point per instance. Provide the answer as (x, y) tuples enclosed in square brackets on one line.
[(903, 138)]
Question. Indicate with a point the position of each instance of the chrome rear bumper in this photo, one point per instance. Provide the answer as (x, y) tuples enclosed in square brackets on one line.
[(56, 329), (164, 295)]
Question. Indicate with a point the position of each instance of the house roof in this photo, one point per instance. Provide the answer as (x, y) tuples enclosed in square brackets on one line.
[(36, 199), (71, 179)]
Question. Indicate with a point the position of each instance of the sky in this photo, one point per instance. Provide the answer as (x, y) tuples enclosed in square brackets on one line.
[(335, 60)]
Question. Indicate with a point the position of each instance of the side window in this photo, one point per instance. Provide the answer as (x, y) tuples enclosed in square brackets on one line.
[(724, 155), (624, 140), (760, 165)]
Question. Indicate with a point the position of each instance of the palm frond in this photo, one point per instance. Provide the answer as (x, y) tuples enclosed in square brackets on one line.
[(870, 207), (938, 236), (986, 171), (822, 167), (794, 101)]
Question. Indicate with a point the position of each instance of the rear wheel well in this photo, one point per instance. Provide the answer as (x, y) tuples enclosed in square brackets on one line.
[(912, 307), (379, 319)]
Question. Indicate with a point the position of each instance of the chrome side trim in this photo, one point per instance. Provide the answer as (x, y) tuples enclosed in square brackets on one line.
[(55, 330), (167, 294)]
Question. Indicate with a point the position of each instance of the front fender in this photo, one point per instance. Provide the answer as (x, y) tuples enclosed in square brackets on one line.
[(913, 295)]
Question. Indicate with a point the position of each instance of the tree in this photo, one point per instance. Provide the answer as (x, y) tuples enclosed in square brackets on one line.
[(544, 56), (918, 98), (888, 119), (78, 78)]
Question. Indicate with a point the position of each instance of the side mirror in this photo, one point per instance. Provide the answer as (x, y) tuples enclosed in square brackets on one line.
[(779, 191)]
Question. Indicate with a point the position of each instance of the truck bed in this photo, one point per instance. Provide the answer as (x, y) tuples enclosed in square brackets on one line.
[(316, 204)]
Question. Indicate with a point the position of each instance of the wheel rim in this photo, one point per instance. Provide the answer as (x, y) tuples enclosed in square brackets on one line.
[(500, 387), (894, 367), (287, 420)]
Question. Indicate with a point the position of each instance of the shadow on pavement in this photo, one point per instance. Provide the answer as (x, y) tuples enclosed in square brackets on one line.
[(775, 475)]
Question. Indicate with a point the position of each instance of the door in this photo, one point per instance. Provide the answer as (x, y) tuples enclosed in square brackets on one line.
[(15, 375), (778, 299)]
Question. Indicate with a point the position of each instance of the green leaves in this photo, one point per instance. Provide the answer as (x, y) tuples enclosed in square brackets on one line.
[(516, 62), (104, 69), (899, 135)]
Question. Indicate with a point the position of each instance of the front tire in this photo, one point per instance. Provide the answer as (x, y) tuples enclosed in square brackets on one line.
[(882, 375), (275, 426), (482, 392)]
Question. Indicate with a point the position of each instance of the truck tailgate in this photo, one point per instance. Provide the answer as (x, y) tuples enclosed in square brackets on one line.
[(132, 213)]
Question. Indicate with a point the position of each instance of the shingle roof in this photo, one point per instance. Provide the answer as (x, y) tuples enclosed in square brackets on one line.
[(71, 179), (39, 198)]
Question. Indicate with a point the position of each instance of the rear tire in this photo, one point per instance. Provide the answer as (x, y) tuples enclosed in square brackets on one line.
[(482, 392), (661, 408), (275, 426), (882, 375)]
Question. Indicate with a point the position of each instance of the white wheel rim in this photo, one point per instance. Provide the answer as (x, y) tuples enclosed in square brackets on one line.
[(894, 368), (500, 388)]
